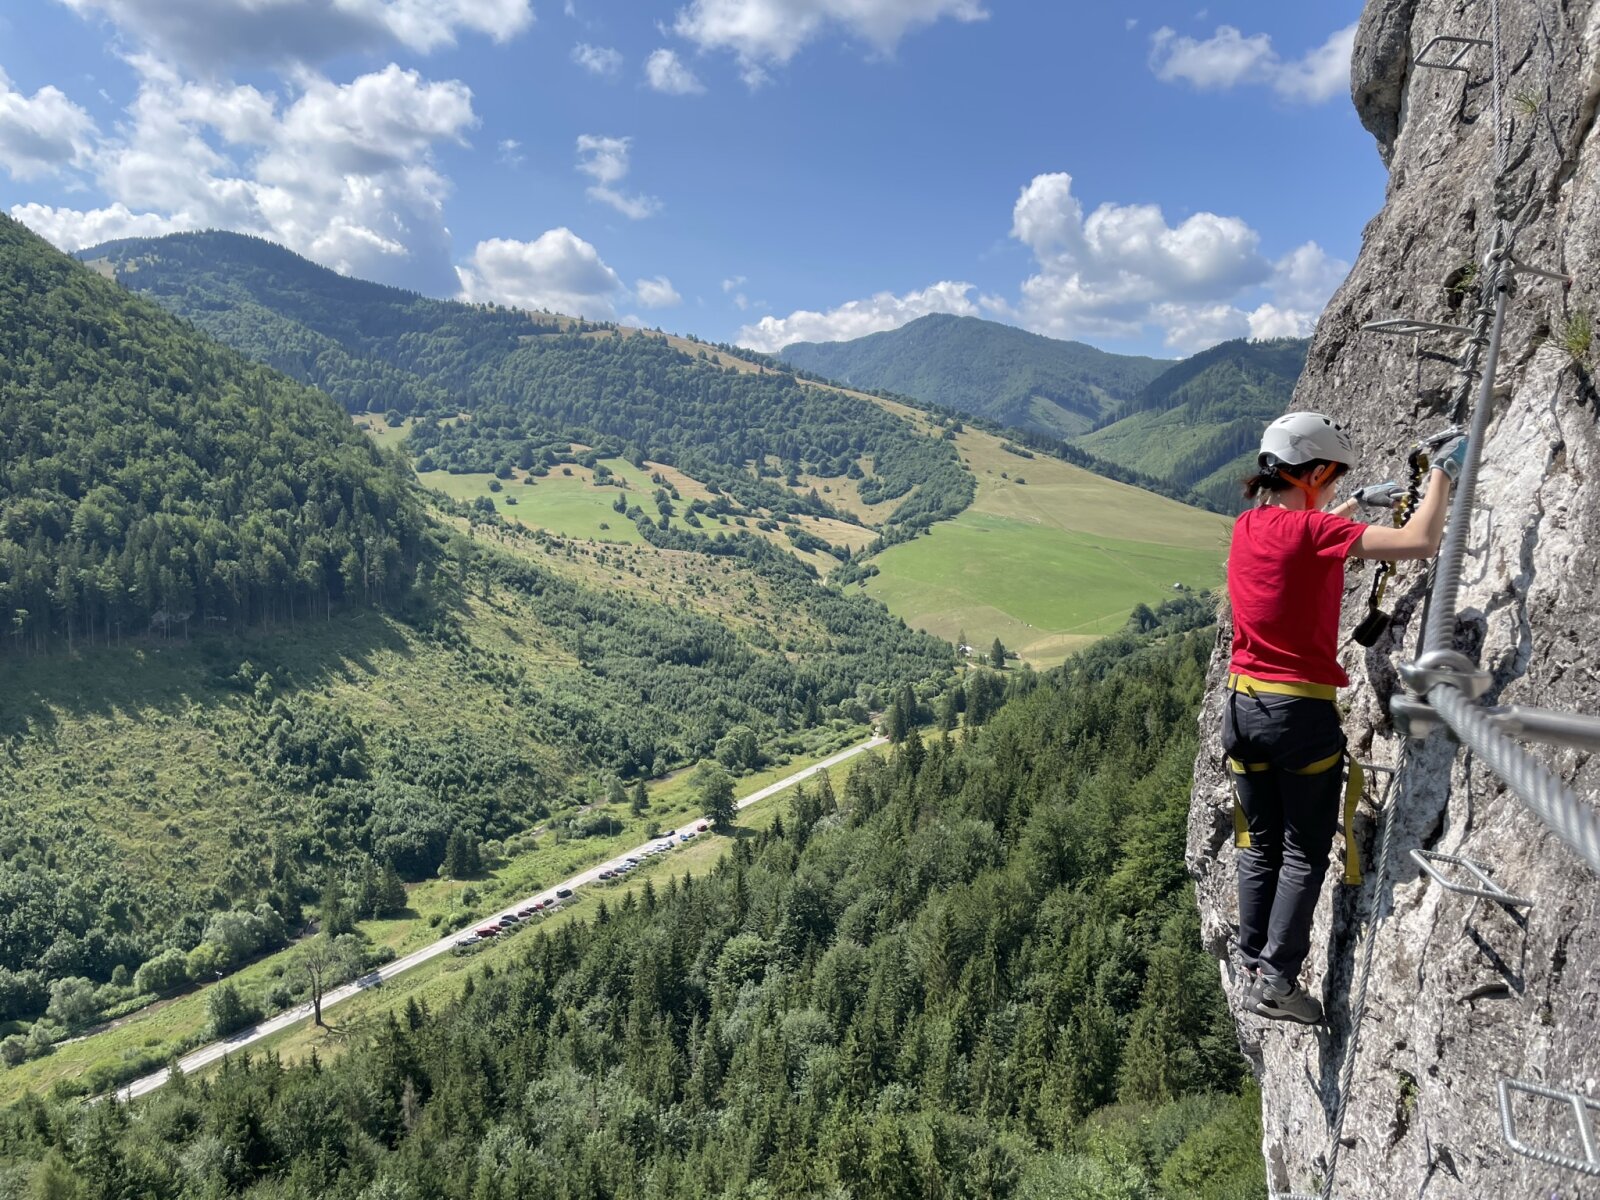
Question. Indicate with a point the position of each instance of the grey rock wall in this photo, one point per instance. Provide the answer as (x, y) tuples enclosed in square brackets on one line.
[(1463, 992)]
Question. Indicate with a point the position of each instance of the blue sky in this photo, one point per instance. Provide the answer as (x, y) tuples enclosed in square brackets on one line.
[(1145, 177)]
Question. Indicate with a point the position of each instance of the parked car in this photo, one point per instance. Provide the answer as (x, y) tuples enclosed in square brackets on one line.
[(563, 893), (487, 931), (684, 837), (702, 827), (663, 847), (527, 911), (510, 919), (607, 874), (538, 905), (471, 939)]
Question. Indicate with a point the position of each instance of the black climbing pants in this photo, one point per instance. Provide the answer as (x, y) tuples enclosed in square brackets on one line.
[(1290, 817)]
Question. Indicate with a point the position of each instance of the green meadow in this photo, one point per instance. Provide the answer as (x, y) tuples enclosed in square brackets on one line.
[(570, 505), (1048, 558)]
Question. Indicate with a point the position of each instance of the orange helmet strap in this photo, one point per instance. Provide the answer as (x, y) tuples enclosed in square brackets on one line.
[(1315, 484)]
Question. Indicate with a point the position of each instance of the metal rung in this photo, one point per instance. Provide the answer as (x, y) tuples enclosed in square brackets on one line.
[(1409, 327), (1522, 268), (1448, 39), (1415, 718), (1581, 1107), (1490, 889)]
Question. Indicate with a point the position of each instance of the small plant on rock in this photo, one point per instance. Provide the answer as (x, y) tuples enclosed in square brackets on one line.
[(1576, 334)]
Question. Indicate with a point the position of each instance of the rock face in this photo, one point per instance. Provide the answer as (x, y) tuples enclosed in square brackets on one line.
[(1463, 992)]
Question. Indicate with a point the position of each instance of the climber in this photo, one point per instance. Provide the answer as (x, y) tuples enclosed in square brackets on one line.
[(1280, 725)]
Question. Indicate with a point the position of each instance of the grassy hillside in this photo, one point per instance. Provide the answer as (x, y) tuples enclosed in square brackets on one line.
[(533, 385), (253, 680), (971, 971), (1198, 425), (1048, 558), (1018, 380)]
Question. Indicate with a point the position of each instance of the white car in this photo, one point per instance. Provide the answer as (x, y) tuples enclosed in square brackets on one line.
[(471, 939)]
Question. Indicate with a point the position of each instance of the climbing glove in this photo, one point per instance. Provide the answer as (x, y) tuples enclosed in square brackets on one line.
[(1451, 457), (1379, 495)]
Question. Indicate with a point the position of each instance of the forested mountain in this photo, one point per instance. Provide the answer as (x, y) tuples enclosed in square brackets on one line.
[(152, 478), (973, 972), (534, 384), (1018, 380), (245, 665), (1197, 425)]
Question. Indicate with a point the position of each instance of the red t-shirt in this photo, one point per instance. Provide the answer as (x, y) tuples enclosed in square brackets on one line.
[(1285, 580)]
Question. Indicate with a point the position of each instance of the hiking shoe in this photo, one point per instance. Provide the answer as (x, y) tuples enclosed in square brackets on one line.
[(1295, 1004), (1252, 988)]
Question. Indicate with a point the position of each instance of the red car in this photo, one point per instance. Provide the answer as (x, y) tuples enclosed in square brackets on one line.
[(487, 930), (702, 827)]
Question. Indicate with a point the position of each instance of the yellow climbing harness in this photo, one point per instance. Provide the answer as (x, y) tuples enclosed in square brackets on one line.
[(1275, 687), (1354, 783)]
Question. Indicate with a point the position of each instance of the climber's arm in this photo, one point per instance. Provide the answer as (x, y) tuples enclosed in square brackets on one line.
[(1419, 537)]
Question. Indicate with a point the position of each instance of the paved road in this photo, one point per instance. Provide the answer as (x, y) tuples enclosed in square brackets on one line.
[(216, 1051)]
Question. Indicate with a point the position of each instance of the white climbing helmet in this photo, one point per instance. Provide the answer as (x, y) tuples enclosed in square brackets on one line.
[(1302, 437)]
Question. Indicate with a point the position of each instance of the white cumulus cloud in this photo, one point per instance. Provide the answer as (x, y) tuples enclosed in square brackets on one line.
[(1107, 274), (73, 229), (605, 160), (1188, 328), (657, 292), (857, 318), (342, 173), (766, 32), (42, 134), (1228, 58), (1270, 321), (1307, 276), (665, 72), (212, 34), (597, 60), (557, 270), (1122, 270)]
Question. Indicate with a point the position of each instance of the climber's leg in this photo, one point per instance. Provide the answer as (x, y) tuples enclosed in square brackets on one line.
[(1258, 824), (1310, 817), (1260, 856)]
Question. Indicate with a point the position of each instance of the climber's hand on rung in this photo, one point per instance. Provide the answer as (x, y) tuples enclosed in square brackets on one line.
[(1451, 457), (1379, 495)]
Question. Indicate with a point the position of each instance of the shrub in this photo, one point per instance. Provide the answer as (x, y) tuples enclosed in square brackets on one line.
[(165, 972), (73, 1001)]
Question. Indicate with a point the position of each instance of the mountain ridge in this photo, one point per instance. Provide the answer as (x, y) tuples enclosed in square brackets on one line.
[(1045, 384)]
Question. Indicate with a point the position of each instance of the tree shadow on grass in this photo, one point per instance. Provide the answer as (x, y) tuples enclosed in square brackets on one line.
[(143, 677)]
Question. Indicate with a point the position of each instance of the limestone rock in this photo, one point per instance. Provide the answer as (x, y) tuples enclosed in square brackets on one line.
[(1463, 993)]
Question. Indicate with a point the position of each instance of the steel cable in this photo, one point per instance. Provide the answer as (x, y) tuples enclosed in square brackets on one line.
[(1561, 808), (1358, 1006)]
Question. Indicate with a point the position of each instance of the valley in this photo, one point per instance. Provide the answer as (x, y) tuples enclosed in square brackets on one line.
[(594, 597)]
